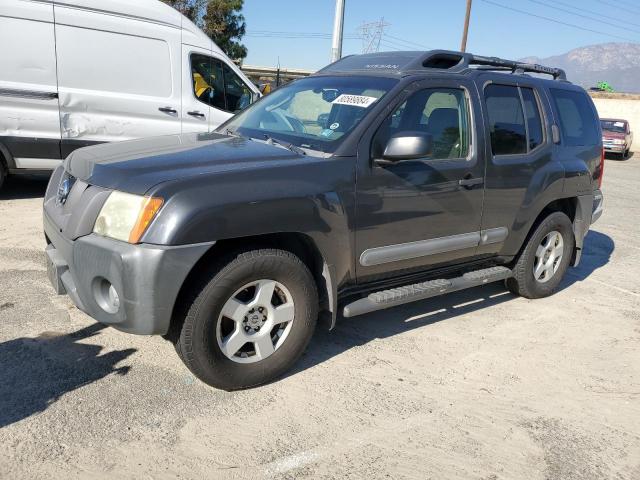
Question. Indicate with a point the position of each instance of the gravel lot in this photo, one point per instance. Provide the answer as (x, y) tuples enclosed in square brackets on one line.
[(475, 385)]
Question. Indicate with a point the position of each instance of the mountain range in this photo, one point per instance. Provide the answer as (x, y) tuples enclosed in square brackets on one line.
[(618, 64)]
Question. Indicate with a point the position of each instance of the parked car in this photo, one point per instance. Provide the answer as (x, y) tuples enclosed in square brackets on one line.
[(617, 136), (75, 75), (381, 180)]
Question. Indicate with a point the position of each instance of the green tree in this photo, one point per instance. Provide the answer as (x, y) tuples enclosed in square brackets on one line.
[(221, 20), (192, 9), (225, 25)]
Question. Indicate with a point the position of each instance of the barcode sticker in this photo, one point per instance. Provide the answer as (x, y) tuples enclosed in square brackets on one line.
[(355, 100)]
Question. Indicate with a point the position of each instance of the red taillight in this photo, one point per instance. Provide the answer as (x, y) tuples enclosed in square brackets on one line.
[(601, 169)]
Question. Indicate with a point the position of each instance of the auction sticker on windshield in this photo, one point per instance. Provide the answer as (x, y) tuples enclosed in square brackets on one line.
[(355, 100)]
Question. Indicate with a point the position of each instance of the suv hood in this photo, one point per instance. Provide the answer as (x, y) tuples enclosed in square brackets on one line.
[(136, 166)]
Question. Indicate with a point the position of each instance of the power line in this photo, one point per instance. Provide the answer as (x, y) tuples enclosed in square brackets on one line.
[(276, 34), (634, 9), (583, 16), (407, 41), (557, 21), (597, 13), (401, 46)]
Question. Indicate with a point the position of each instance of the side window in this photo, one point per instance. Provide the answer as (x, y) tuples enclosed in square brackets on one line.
[(534, 120), (208, 80), (441, 112), (506, 120), (577, 119), (237, 93)]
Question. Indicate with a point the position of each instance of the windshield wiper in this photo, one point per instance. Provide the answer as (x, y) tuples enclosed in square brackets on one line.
[(288, 146)]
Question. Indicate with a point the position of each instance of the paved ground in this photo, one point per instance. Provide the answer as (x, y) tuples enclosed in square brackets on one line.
[(475, 385)]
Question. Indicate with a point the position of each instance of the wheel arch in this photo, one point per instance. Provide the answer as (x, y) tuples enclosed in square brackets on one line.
[(6, 159), (298, 244), (573, 208)]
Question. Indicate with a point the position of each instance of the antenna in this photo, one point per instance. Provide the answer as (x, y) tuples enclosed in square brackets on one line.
[(371, 34)]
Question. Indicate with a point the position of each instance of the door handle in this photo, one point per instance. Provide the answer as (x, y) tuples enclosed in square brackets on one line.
[(469, 182), (169, 110), (196, 114)]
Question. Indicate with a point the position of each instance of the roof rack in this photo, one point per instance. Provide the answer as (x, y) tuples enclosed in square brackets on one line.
[(458, 61), (399, 63)]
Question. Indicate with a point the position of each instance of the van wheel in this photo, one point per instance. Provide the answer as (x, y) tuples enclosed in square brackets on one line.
[(251, 321), (545, 259)]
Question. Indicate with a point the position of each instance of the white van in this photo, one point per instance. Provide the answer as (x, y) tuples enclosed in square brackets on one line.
[(79, 72)]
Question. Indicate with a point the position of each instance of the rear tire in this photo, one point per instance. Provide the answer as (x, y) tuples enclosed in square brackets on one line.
[(539, 271), (267, 300)]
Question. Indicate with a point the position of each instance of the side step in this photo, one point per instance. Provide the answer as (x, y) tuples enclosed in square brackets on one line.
[(420, 291)]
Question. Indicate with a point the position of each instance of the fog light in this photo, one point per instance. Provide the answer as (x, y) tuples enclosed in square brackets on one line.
[(106, 295)]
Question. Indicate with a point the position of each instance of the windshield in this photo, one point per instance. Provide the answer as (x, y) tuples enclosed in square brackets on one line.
[(613, 126), (313, 113)]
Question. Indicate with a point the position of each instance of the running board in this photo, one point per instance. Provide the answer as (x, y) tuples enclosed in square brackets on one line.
[(420, 291)]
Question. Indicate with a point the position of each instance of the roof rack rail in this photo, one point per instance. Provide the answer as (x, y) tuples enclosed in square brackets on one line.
[(458, 61)]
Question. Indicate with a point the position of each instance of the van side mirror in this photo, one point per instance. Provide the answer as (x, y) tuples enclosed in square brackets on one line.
[(408, 146)]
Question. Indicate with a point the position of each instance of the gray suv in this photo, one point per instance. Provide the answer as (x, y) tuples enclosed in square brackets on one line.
[(381, 180)]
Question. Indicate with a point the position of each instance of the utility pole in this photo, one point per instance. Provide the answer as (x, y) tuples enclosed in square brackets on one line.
[(463, 47), (338, 28)]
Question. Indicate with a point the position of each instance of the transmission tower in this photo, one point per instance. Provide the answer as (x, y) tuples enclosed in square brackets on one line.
[(371, 34)]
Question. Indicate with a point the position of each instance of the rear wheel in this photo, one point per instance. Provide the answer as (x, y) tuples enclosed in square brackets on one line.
[(251, 321), (545, 259)]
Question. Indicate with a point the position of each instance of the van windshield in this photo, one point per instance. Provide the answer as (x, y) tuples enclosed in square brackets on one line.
[(313, 113)]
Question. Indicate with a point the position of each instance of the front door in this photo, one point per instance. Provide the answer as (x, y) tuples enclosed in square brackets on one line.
[(420, 213)]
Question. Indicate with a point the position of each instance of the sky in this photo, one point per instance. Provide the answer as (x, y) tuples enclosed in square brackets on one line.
[(426, 24)]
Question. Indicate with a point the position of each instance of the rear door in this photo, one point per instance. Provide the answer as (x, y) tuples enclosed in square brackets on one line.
[(29, 120), (119, 77), (421, 213), (522, 172)]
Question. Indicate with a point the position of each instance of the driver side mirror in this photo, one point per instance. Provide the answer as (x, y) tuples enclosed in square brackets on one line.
[(408, 146)]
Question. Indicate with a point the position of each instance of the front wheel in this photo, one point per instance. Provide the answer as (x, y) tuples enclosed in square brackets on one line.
[(251, 321), (545, 258)]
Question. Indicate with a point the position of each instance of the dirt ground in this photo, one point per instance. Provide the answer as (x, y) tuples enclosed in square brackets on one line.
[(475, 385)]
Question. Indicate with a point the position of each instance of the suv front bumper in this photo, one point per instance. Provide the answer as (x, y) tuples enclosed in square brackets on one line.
[(145, 278)]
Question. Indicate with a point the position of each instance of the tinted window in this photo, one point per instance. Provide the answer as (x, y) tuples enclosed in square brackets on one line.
[(506, 120), (208, 81), (237, 93), (442, 113), (217, 85), (534, 121), (578, 123)]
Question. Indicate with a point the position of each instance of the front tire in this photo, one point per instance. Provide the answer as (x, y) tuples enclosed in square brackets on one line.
[(251, 321), (545, 258)]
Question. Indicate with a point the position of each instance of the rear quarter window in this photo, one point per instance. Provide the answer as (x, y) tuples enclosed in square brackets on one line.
[(578, 123)]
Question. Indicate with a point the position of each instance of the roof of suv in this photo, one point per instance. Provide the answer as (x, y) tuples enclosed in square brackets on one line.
[(433, 61)]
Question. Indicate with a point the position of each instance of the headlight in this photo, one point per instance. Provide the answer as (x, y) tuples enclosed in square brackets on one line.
[(618, 141), (126, 217)]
